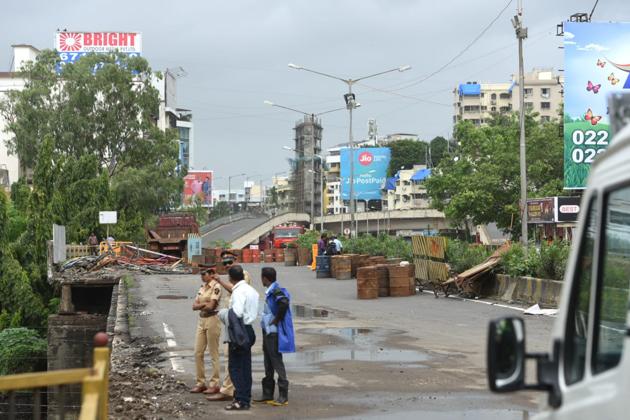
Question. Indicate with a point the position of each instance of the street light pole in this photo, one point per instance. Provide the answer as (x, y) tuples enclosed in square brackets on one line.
[(350, 105), (521, 34)]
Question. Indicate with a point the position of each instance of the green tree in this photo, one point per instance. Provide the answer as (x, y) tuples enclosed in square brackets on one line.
[(439, 150), (220, 209), (406, 153), (481, 183)]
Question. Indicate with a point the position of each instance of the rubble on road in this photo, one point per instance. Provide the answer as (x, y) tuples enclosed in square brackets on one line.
[(140, 390), (132, 259), (467, 282)]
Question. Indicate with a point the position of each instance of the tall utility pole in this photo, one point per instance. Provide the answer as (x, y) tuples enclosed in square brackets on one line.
[(521, 34), (350, 105)]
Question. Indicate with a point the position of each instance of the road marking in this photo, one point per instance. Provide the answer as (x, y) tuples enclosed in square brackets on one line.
[(170, 342), (500, 305)]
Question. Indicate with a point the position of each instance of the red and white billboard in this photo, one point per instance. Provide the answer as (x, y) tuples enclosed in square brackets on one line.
[(198, 188), (98, 42)]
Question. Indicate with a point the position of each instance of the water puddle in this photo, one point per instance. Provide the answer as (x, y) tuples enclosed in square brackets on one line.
[(306, 311), (356, 344), (172, 297)]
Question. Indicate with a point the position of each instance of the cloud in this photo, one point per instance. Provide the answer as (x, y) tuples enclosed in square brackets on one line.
[(570, 43), (593, 47), (568, 35)]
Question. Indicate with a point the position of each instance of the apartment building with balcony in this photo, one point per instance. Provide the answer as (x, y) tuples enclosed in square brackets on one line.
[(406, 190), (477, 102)]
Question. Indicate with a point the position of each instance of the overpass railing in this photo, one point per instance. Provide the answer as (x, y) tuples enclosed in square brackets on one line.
[(94, 382)]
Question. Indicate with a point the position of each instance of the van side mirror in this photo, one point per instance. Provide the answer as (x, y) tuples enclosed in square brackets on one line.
[(506, 354)]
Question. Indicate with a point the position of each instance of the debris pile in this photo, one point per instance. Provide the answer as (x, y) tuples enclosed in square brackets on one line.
[(131, 258)]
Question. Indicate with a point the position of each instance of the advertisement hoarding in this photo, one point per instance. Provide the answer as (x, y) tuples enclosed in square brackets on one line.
[(596, 64), (198, 188), (567, 209), (73, 45), (541, 210), (370, 171)]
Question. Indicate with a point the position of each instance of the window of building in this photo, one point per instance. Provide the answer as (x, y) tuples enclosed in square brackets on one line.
[(528, 92), (545, 92), (613, 289), (493, 109), (545, 118), (471, 108), (475, 121), (545, 105), (505, 95), (529, 106), (482, 94), (493, 96), (504, 109)]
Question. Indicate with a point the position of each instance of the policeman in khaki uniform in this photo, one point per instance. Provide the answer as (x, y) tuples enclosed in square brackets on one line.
[(208, 332), (226, 392)]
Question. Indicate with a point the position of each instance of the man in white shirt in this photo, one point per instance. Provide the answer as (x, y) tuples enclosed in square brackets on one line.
[(244, 305)]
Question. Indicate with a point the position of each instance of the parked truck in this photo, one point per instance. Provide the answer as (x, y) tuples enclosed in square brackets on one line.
[(170, 236)]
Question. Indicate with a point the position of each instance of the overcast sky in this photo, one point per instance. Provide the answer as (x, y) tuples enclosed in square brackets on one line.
[(236, 52)]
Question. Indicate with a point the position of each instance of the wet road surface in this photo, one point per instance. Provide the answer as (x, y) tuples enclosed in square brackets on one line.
[(413, 357)]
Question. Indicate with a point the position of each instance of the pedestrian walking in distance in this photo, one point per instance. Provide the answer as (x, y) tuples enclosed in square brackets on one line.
[(208, 332), (239, 319), (278, 338), (93, 243)]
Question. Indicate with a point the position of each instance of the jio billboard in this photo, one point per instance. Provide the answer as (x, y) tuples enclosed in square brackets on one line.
[(596, 64), (370, 172)]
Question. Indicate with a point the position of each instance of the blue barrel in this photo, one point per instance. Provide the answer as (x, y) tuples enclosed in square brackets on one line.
[(322, 267)]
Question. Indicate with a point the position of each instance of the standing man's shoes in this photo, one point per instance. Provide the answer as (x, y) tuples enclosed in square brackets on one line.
[(198, 389), (263, 399), (219, 397), (280, 402), (237, 406), (212, 390)]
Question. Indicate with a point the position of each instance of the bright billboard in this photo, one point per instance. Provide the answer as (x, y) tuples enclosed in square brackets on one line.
[(370, 172), (198, 188), (597, 57), (73, 45)]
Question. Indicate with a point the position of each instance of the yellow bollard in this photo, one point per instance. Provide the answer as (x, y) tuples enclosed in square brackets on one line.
[(315, 250)]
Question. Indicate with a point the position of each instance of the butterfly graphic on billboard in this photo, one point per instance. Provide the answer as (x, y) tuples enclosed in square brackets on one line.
[(593, 88), (594, 119), (612, 79)]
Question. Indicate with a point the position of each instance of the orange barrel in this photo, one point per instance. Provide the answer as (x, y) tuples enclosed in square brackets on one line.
[(398, 280), (367, 283), (247, 255), (278, 255), (268, 256), (382, 273), (290, 257), (255, 255), (343, 270)]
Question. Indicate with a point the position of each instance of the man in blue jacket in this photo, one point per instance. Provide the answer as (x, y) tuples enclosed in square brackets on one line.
[(278, 338)]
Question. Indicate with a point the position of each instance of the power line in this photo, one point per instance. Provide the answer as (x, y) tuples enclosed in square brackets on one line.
[(466, 48)]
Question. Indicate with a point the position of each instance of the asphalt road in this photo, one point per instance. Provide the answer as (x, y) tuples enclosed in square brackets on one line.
[(231, 231), (412, 357)]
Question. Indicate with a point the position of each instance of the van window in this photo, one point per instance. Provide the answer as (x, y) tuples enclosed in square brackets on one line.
[(577, 320), (614, 284)]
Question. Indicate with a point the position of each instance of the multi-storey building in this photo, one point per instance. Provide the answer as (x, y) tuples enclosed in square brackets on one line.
[(283, 188), (406, 190), (477, 102), (307, 165)]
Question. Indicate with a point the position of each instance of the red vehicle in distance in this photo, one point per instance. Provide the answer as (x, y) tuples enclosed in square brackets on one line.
[(284, 235)]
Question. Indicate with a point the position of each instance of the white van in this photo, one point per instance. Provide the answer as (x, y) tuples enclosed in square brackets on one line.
[(587, 372)]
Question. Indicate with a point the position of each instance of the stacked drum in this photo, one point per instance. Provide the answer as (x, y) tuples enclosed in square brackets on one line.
[(367, 283), (382, 273), (399, 284), (343, 267)]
